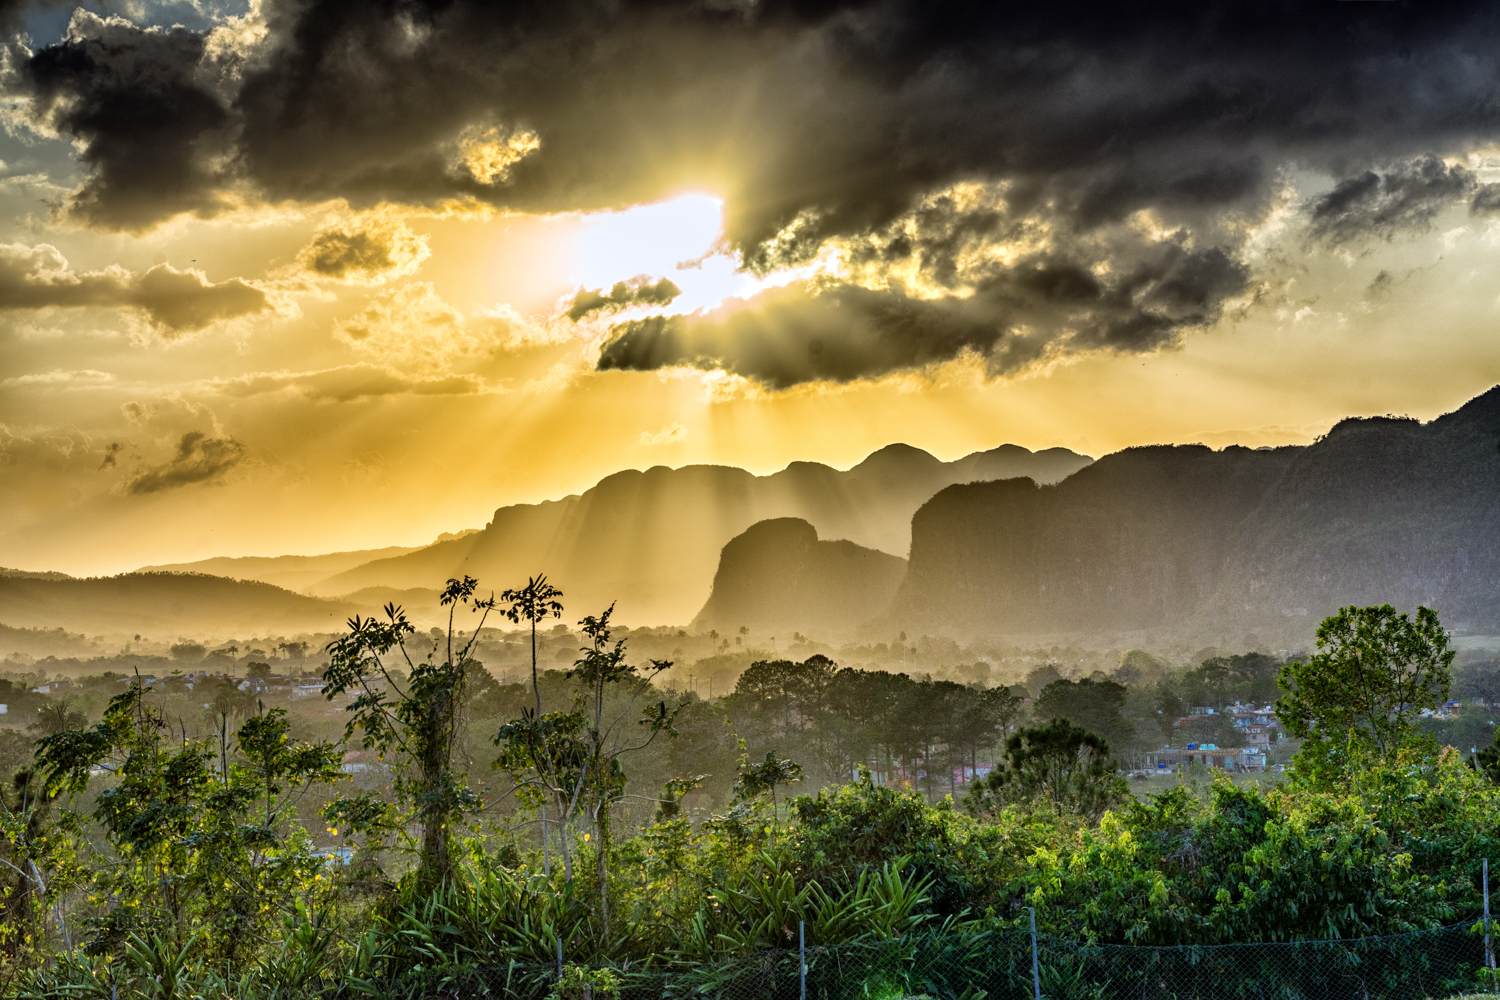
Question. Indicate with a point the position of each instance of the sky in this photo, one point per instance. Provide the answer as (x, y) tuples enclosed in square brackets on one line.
[(299, 277)]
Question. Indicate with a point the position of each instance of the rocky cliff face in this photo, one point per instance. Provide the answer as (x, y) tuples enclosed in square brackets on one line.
[(651, 540), (1223, 542), (777, 578), (1379, 510)]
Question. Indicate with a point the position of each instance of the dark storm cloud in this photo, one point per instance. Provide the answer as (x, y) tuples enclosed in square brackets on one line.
[(139, 103), (637, 291), (199, 459), (175, 302), (815, 120), (851, 110), (791, 335), (1404, 199), (1486, 200)]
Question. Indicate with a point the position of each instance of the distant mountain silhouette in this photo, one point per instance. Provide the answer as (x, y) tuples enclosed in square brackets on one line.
[(651, 540), (26, 574), (777, 577), (1222, 543), (166, 604), (291, 572)]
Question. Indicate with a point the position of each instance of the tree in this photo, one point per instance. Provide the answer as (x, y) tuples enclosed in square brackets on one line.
[(1479, 681), (191, 846), (15, 752), (545, 756), (293, 650), (1488, 760), (1256, 675), (58, 716), (788, 697), (872, 710), (1216, 675), (1003, 708), (1138, 666), (37, 857), (533, 604), (421, 722), (966, 720), (755, 780), (1169, 708), (1217, 729), (487, 696), (1374, 672), (988, 714), (1243, 677), (188, 651), (601, 668), (1091, 703), (574, 759), (1060, 765)]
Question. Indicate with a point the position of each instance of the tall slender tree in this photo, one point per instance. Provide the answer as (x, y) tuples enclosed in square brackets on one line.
[(421, 721), (603, 667), (533, 604), (755, 780)]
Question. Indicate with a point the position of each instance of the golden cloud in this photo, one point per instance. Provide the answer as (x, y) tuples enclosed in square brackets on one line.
[(488, 153), (367, 251), (346, 383), (174, 302), (413, 327), (200, 458)]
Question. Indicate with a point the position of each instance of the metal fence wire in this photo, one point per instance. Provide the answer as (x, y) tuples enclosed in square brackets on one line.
[(1001, 965)]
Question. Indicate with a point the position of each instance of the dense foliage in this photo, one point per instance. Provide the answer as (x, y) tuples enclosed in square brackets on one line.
[(143, 859)]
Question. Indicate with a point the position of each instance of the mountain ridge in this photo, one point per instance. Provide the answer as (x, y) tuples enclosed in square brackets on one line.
[(293, 572), (166, 603), (1205, 543), (651, 539)]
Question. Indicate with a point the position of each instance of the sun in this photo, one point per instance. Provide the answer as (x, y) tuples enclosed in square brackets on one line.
[(681, 238), (655, 239)]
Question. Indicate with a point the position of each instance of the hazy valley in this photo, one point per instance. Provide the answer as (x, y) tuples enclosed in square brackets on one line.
[(1151, 547)]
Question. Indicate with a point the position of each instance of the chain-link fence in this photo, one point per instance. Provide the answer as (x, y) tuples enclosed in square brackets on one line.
[(1005, 965)]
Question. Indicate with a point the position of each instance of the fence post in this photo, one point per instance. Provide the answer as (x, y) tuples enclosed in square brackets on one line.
[(1036, 972), (802, 957), (1489, 952), (559, 958)]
